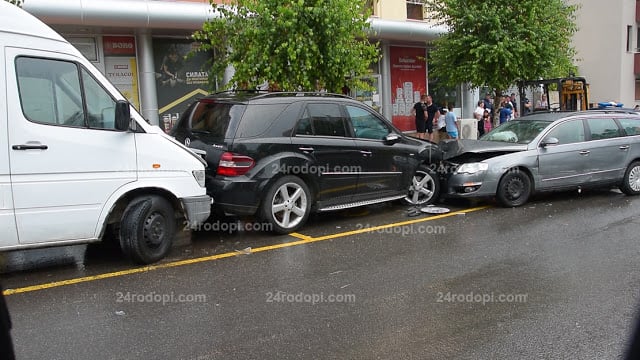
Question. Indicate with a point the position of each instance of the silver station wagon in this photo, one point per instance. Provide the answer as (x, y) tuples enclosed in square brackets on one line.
[(546, 152)]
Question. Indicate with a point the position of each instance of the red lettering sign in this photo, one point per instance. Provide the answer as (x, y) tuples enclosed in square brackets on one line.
[(119, 45)]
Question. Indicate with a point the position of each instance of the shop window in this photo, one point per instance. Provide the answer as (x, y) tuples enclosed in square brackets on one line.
[(415, 10)]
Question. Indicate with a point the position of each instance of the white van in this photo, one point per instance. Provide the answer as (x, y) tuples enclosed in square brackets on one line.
[(75, 157)]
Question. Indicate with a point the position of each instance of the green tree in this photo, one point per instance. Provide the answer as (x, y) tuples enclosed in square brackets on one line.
[(292, 44), (497, 43)]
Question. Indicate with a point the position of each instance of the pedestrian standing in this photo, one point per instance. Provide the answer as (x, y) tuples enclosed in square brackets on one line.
[(487, 121), (432, 110), (514, 105), (420, 112), (451, 122), (526, 110), (478, 114), (505, 112), (442, 125)]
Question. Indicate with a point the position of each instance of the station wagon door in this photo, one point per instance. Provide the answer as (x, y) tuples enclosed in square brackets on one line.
[(608, 150), (565, 164)]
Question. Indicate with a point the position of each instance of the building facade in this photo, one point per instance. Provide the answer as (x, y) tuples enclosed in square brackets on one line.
[(132, 41), (135, 43), (607, 45)]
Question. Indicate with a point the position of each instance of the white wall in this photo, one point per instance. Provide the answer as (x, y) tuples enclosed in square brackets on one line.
[(601, 48)]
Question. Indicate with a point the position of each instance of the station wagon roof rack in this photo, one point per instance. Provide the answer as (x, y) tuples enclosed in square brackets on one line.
[(616, 110)]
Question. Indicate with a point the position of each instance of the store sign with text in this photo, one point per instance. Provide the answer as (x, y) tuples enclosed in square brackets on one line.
[(121, 66)]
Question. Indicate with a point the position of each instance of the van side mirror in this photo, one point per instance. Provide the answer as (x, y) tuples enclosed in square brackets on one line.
[(123, 115), (549, 141)]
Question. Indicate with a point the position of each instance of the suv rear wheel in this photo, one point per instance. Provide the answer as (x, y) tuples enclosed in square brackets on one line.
[(287, 204)]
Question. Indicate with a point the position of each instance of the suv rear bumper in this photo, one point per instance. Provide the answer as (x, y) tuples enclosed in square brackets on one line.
[(239, 196)]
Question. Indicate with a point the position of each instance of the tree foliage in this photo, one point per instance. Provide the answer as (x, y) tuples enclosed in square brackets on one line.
[(496, 43), (292, 44)]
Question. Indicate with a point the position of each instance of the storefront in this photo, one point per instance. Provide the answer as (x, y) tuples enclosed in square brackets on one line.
[(141, 46)]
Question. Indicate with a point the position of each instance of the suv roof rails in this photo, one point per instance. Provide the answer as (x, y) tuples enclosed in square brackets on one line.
[(302, 93), (267, 93)]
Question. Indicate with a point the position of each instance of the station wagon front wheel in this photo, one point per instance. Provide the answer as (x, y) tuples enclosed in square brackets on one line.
[(287, 204), (514, 189), (631, 181)]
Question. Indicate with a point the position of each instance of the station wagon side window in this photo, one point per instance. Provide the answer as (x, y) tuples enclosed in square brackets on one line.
[(630, 126), (55, 92), (568, 132), (366, 125), (603, 128), (322, 120)]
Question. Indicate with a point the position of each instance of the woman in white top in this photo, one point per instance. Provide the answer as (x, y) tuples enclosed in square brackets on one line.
[(542, 104)]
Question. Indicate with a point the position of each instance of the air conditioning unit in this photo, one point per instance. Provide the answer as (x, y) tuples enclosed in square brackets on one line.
[(468, 129)]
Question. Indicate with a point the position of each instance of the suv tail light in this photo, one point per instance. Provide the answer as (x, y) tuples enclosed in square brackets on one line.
[(234, 164)]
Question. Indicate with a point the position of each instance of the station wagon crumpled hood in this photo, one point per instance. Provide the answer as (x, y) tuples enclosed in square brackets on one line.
[(477, 149)]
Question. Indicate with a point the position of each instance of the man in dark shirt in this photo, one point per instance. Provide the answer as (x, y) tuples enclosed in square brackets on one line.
[(432, 110), (419, 111)]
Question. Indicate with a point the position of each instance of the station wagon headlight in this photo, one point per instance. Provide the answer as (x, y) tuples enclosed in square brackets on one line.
[(472, 168), (199, 176)]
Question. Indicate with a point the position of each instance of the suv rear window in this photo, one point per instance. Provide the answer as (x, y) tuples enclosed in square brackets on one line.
[(211, 119), (258, 118)]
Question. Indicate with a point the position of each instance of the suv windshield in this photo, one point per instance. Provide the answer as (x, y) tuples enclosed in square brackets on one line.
[(517, 131)]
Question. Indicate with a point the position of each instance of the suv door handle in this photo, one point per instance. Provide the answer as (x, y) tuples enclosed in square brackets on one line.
[(585, 152), (306, 149), (29, 147), (624, 147), (365, 153)]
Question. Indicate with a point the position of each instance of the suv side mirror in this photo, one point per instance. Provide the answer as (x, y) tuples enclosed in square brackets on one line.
[(391, 139), (123, 115), (549, 141)]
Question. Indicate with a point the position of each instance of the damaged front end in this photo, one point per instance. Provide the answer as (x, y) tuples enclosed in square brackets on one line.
[(465, 170)]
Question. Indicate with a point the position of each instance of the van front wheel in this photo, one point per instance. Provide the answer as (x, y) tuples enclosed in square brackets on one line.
[(147, 229)]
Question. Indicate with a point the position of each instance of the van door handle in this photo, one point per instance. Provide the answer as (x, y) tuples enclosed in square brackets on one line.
[(29, 147), (365, 153), (585, 152), (306, 149), (624, 147)]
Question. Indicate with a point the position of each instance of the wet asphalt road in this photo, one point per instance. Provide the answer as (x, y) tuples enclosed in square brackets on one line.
[(555, 279)]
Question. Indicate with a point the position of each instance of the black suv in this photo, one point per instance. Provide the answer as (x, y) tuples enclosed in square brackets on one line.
[(281, 155)]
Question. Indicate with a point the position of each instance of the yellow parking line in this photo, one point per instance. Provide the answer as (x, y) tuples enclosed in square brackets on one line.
[(304, 239)]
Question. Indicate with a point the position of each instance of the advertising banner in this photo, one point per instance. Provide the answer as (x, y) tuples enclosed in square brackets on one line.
[(180, 77), (408, 82), (121, 66)]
